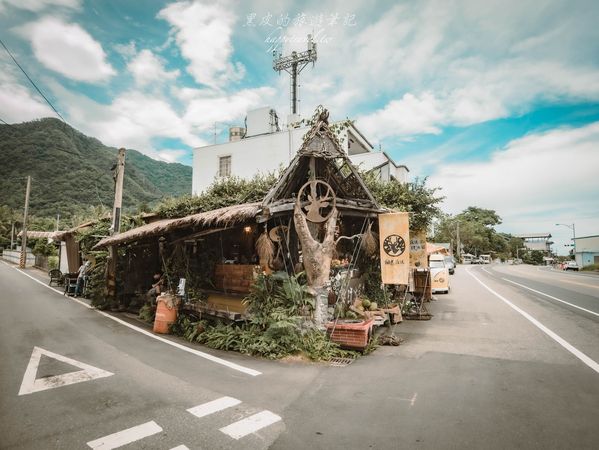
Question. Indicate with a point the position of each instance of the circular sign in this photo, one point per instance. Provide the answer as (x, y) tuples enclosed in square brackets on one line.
[(394, 245)]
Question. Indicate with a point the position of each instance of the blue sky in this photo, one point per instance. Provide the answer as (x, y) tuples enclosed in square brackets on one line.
[(497, 102)]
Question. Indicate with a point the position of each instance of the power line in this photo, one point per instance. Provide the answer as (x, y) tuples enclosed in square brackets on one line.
[(3, 122), (31, 81)]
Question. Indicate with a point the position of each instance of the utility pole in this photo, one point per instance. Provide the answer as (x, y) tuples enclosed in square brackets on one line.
[(293, 65), (573, 228), (12, 235), (23, 259), (116, 227)]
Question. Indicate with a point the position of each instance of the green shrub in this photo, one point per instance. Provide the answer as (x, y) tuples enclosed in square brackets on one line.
[(591, 268), (52, 262), (277, 304)]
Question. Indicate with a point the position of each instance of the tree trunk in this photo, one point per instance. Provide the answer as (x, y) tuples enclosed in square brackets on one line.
[(317, 258)]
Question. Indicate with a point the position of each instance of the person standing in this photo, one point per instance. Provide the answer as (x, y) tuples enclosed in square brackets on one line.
[(81, 275)]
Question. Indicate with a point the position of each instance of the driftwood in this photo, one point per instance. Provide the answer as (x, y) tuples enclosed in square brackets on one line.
[(317, 260), (317, 255)]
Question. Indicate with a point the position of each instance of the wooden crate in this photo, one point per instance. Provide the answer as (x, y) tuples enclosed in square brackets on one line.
[(234, 277)]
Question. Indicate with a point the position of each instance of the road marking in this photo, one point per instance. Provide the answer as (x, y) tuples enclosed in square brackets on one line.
[(30, 384), (180, 447), (213, 406), (584, 358), (52, 289), (125, 437), (563, 275), (250, 424), (552, 297), (207, 356), (413, 400)]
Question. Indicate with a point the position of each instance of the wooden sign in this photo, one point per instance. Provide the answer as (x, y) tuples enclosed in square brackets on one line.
[(418, 256), (394, 235)]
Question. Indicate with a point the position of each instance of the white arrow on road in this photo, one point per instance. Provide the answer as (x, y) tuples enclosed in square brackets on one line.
[(31, 384)]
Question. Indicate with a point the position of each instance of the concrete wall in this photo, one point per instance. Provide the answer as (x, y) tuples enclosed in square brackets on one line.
[(537, 245), (258, 154), (274, 151), (587, 248), (587, 258), (14, 256)]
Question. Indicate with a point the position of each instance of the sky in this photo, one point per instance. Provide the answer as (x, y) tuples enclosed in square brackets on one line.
[(496, 102)]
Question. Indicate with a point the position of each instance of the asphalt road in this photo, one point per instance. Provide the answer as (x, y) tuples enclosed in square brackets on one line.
[(498, 366)]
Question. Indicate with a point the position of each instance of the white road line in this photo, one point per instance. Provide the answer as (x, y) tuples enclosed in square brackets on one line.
[(219, 404), (584, 358), (125, 437), (31, 384), (180, 447), (207, 356), (552, 297), (250, 424)]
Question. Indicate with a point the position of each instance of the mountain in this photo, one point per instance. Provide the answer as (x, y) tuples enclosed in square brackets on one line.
[(71, 171)]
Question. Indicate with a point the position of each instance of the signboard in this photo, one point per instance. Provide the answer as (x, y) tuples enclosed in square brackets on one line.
[(394, 235), (418, 256)]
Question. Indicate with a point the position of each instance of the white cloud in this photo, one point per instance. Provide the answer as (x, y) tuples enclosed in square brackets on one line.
[(468, 61), (170, 155), (146, 68), (205, 108), (410, 115), (68, 49), (38, 5), (17, 103), (128, 50), (203, 33), (533, 183), (132, 120)]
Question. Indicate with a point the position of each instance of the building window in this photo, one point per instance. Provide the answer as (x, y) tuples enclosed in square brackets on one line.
[(224, 166)]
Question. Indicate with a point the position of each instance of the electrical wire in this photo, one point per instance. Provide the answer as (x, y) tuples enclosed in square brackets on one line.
[(31, 81), (3, 122)]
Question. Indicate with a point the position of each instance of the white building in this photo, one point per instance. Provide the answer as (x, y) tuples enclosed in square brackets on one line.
[(265, 148), (587, 250), (537, 241)]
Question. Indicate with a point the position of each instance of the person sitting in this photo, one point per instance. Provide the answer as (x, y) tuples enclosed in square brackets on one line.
[(157, 287)]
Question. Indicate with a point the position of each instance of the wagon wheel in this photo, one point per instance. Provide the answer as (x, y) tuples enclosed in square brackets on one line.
[(316, 199)]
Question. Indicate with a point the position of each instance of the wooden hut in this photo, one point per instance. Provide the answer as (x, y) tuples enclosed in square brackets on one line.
[(318, 200)]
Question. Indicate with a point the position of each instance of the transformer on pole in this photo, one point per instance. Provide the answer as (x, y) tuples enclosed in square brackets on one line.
[(293, 65)]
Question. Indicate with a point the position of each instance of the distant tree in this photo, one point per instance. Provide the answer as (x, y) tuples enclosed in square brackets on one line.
[(477, 232), (533, 257), (413, 197)]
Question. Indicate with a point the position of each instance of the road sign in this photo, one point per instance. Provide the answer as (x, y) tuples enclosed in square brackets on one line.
[(31, 384)]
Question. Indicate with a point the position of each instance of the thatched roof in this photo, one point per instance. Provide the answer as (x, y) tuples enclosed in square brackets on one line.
[(39, 234), (61, 235), (321, 157), (219, 217)]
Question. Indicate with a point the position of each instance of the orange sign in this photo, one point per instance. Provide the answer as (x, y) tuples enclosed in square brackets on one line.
[(418, 256), (394, 235)]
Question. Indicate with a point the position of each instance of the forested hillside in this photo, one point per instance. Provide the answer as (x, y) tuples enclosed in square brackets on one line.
[(71, 171)]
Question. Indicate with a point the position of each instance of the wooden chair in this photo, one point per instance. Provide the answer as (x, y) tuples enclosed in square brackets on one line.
[(55, 277)]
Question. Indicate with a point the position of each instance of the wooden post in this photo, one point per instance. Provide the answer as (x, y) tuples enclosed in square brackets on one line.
[(115, 228), (12, 235), (23, 259)]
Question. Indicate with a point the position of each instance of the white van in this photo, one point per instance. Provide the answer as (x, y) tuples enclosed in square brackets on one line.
[(485, 259), (439, 274)]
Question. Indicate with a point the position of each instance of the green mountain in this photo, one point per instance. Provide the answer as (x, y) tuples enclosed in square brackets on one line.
[(71, 171)]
